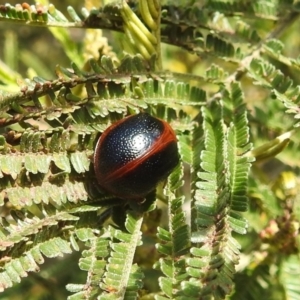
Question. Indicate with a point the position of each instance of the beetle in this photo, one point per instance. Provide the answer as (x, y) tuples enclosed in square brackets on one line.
[(134, 154)]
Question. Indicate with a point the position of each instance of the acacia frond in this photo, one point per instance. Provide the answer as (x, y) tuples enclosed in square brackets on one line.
[(238, 145), (18, 267), (122, 278), (108, 262), (280, 86), (42, 15), (174, 242), (107, 88), (220, 191), (93, 261), (27, 238)]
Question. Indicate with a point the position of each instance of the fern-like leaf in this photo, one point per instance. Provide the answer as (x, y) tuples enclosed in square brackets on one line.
[(174, 242), (281, 87), (16, 267), (93, 261), (109, 262), (220, 193)]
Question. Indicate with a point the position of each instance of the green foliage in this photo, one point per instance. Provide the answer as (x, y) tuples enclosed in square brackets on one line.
[(226, 223)]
